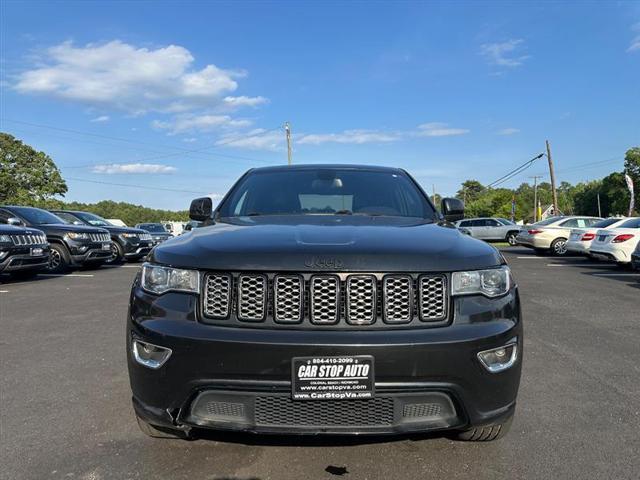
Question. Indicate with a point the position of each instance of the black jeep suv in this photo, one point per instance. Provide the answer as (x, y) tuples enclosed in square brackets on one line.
[(126, 243), (71, 245), (23, 251), (157, 231), (325, 299)]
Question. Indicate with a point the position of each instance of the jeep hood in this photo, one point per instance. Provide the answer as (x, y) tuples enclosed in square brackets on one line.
[(327, 243)]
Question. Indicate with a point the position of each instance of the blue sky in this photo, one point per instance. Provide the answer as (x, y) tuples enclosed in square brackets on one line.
[(186, 96)]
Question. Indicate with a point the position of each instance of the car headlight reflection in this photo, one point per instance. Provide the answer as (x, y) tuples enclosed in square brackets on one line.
[(78, 236), (491, 283), (158, 279)]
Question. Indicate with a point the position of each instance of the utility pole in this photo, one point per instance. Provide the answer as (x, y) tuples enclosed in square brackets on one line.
[(535, 197), (599, 210), (553, 180), (287, 130)]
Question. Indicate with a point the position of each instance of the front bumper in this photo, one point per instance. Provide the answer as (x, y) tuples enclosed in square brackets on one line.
[(134, 251), (24, 261), (244, 374), (89, 253)]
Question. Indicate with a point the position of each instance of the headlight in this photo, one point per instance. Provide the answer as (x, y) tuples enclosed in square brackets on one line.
[(78, 236), (491, 283), (158, 280), (5, 239), (129, 235)]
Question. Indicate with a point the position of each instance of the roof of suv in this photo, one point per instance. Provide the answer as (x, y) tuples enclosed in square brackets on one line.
[(319, 166)]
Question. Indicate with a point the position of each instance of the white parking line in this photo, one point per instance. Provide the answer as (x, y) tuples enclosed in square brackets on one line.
[(534, 257), (65, 275), (578, 265), (4, 291)]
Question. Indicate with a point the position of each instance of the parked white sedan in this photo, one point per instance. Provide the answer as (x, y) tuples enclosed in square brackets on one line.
[(552, 233), (617, 244), (580, 239)]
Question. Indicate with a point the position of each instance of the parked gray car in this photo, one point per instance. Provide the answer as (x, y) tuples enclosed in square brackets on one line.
[(490, 229)]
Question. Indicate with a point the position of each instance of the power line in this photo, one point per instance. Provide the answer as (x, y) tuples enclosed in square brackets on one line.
[(201, 150), (514, 172), (134, 186)]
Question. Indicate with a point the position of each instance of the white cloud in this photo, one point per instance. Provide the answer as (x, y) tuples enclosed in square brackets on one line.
[(503, 54), (101, 118), (258, 139), (244, 101), (198, 123), (508, 131), (190, 139), (129, 78), (349, 136), (124, 168), (635, 42), (437, 129)]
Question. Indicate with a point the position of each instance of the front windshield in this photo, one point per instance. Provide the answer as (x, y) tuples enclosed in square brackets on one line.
[(36, 216), (93, 219), (153, 227), (327, 191)]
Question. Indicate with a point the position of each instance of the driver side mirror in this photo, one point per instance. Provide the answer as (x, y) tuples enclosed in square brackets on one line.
[(201, 209), (14, 221), (452, 209)]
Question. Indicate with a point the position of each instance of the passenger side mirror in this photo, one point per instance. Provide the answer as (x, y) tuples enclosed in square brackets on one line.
[(452, 209), (14, 221), (201, 209)]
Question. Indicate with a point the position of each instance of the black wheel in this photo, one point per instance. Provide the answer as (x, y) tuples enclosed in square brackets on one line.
[(486, 433), (559, 247), (58, 259), (161, 432), (511, 238), (116, 254)]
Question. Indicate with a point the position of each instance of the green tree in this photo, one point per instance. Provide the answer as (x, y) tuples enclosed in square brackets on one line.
[(26, 175), (470, 191)]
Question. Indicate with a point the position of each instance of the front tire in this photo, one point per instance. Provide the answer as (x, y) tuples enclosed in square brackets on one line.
[(58, 259), (511, 238), (486, 433), (160, 432), (559, 247), (116, 254)]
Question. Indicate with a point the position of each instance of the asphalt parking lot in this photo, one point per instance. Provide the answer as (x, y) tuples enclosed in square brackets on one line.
[(66, 409)]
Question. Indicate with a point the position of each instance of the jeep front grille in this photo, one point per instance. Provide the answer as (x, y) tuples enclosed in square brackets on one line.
[(322, 300), (100, 237), (29, 239)]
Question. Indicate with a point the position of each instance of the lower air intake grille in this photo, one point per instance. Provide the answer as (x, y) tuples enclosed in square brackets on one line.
[(421, 410), (281, 410)]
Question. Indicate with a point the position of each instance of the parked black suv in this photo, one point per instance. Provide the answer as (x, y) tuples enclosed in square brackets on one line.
[(23, 251), (71, 245), (158, 233), (126, 243), (325, 299)]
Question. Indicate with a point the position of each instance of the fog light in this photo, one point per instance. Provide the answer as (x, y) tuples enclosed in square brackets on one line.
[(149, 355), (499, 359)]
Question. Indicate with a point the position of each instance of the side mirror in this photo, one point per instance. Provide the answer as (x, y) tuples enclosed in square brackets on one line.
[(201, 209), (452, 209), (14, 221)]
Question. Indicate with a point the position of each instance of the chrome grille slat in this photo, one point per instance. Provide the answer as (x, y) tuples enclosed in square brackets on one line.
[(99, 237), (361, 299), (432, 297), (28, 239), (217, 295), (288, 298), (252, 297), (325, 299), (398, 298)]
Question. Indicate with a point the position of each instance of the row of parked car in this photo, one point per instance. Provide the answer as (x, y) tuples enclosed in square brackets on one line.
[(610, 239), (33, 240)]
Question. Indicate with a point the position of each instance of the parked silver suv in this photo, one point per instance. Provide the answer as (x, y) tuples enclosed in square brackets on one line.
[(490, 229)]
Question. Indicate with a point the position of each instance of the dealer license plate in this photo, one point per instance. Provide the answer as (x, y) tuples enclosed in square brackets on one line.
[(106, 246), (332, 378), (36, 252)]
